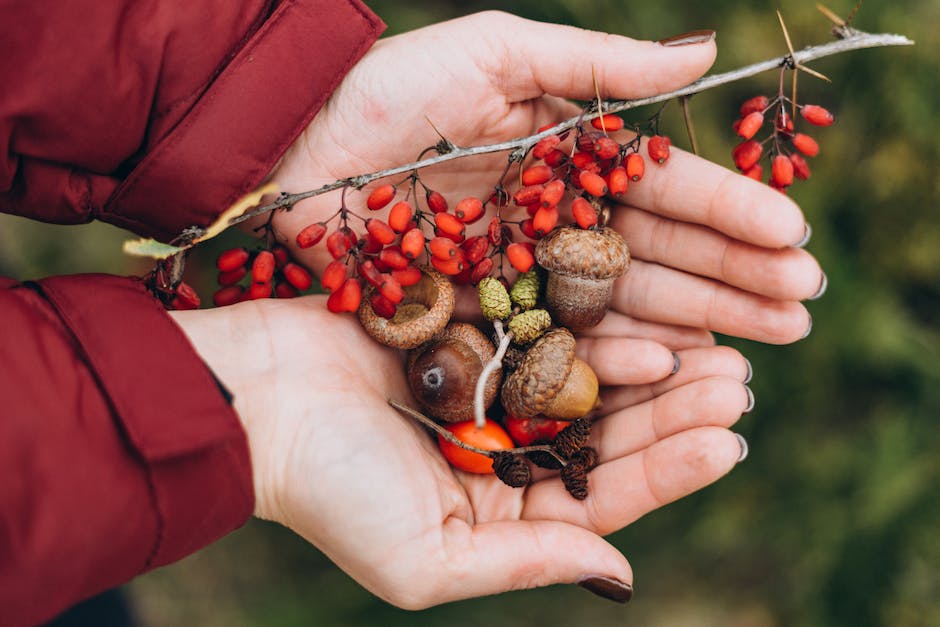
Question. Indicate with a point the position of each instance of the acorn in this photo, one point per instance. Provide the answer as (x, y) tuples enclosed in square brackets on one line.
[(582, 265), (422, 314), (551, 381), (443, 373)]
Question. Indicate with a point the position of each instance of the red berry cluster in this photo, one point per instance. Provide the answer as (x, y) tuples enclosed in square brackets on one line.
[(268, 273), (787, 148), (384, 255)]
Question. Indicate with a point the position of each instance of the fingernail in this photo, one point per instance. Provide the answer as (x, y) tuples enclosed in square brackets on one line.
[(823, 284), (744, 449), (687, 39), (750, 371), (608, 587), (675, 362), (807, 235), (809, 328), (751, 401)]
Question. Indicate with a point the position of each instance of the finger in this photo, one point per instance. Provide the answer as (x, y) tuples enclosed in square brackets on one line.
[(566, 67), (654, 292), (714, 401), (785, 274), (622, 490), (494, 557), (616, 324), (626, 361), (691, 189), (694, 364)]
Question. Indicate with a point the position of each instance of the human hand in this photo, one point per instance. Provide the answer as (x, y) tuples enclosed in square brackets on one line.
[(712, 249), (366, 485)]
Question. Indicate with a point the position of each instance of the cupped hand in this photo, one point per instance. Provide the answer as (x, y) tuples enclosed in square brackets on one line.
[(712, 249), (367, 485)]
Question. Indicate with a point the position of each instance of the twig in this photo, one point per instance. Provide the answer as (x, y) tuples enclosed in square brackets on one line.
[(520, 146)]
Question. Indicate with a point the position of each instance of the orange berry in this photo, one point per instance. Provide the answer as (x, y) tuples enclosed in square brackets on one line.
[(491, 437), (606, 148), (521, 256), (469, 210), (442, 248), (380, 196), (381, 231), (618, 181), (552, 193), (536, 174), (528, 195), (544, 220), (449, 224), (608, 122), (594, 184), (399, 218)]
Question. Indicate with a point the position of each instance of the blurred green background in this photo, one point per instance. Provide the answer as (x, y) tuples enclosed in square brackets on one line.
[(835, 517)]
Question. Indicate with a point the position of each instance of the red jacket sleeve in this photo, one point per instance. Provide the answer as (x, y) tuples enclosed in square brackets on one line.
[(117, 451)]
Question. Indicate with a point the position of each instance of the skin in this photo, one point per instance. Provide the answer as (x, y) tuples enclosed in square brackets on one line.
[(336, 464)]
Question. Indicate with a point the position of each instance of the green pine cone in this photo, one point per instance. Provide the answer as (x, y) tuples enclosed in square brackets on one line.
[(529, 325), (494, 299), (525, 291)]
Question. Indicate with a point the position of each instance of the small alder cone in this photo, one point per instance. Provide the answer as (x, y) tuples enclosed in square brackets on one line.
[(582, 265), (551, 381), (422, 314), (443, 373)]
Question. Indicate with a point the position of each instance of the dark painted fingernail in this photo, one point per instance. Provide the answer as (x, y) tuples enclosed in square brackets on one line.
[(751, 401), (675, 362), (809, 327), (609, 588), (688, 39), (823, 284), (744, 449), (750, 371), (807, 235)]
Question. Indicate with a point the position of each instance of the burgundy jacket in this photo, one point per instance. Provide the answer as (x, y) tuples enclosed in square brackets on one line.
[(118, 453)]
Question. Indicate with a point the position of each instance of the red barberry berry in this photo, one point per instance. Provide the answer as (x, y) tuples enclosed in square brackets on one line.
[(449, 224), (228, 296), (442, 248), (185, 298), (781, 172), (400, 216), (370, 273), (617, 181), (521, 256), (231, 259), (528, 195), (800, 167), (262, 269), (527, 227), (481, 270), (232, 276), (751, 124), (380, 196), (475, 248), (297, 276), (784, 123), (544, 220), (536, 174), (584, 214), (606, 148), (552, 193), (658, 148), (635, 165), (391, 289), (594, 184), (755, 172), (333, 276), (450, 267), (394, 258), (494, 231), (311, 235), (806, 144), (436, 202), (412, 243), (346, 298), (757, 103), (407, 276), (555, 158), (338, 243), (584, 161), (383, 307), (747, 154), (381, 231), (259, 290), (286, 290), (608, 122), (469, 210), (816, 115), (545, 146)]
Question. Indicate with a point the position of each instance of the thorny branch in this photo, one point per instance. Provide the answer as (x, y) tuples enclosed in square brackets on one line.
[(857, 40)]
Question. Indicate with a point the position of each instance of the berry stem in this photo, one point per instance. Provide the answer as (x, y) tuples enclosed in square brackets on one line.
[(479, 409)]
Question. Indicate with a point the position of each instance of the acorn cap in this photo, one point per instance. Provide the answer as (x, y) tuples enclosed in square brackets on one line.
[(424, 312), (596, 254), (541, 375)]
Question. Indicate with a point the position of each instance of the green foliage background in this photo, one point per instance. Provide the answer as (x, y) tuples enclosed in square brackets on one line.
[(834, 518)]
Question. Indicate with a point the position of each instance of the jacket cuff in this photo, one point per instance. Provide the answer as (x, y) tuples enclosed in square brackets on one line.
[(168, 406), (247, 118)]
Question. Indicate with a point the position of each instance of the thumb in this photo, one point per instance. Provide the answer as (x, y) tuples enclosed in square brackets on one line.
[(516, 555), (562, 60)]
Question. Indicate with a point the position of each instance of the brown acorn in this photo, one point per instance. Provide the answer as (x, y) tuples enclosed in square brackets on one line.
[(551, 381), (443, 373), (424, 312), (582, 265)]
